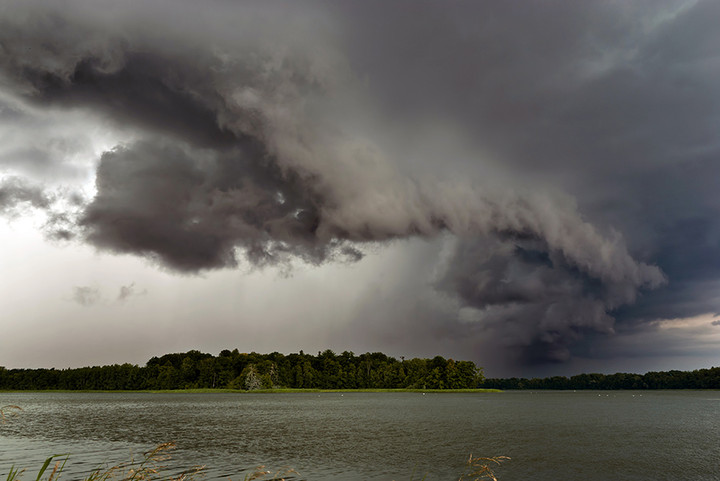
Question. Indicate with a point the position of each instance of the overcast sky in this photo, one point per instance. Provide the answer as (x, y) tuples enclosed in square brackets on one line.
[(532, 186)]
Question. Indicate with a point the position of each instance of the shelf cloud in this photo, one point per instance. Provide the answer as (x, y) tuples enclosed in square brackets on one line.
[(577, 190)]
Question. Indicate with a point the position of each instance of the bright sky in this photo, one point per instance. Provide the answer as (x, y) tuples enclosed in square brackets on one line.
[(531, 188)]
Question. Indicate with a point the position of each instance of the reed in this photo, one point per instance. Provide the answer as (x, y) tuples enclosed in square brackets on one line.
[(7, 411), (478, 468), (152, 469)]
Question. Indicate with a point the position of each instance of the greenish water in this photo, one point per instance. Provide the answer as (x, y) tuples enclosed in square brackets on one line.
[(625, 435)]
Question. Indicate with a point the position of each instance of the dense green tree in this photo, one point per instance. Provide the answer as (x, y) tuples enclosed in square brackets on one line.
[(698, 379), (326, 370), (168, 376)]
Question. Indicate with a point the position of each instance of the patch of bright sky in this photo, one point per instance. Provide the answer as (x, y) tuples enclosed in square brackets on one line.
[(703, 320), (53, 146), (251, 309)]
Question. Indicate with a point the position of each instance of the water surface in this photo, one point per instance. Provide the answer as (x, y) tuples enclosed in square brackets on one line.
[(585, 435)]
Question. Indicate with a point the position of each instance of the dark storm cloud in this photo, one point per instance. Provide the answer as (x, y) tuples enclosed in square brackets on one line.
[(599, 107), (588, 86), (193, 208), (615, 103), (534, 298), (147, 90)]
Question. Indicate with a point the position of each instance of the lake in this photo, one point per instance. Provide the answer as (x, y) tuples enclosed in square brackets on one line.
[(558, 436)]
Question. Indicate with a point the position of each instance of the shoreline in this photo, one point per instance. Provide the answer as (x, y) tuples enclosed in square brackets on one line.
[(257, 391)]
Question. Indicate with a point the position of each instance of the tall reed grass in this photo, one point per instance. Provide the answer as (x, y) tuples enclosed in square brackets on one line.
[(481, 468), (7, 411), (150, 468)]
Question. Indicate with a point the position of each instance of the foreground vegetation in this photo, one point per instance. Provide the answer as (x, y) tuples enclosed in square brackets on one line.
[(253, 371), (150, 468)]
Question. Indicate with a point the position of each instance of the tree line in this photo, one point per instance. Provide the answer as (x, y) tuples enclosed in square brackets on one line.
[(326, 370), (698, 379), (250, 371)]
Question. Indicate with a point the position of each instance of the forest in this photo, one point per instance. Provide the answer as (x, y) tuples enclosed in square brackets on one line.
[(698, 379), (252, 371), (326, 370)]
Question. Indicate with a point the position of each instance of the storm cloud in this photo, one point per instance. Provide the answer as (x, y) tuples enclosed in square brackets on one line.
[(16, 192), (577, 188)]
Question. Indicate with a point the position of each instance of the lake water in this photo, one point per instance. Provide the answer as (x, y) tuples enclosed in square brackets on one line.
[(558, 436)]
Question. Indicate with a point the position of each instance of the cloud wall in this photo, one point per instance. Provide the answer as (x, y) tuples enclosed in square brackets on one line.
[(239, 144)]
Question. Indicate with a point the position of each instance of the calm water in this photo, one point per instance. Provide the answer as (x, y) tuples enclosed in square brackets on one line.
[(364, 436)]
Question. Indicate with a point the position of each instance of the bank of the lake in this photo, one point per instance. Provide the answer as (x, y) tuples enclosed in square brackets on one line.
[(256, 391)]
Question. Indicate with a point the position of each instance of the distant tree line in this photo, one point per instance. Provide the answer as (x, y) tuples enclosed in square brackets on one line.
[(698, 379), (235, 370), (326, 370)]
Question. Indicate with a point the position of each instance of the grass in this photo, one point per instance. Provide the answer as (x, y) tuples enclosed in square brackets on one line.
[(282, 390), (270, 391), (300, 390)]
